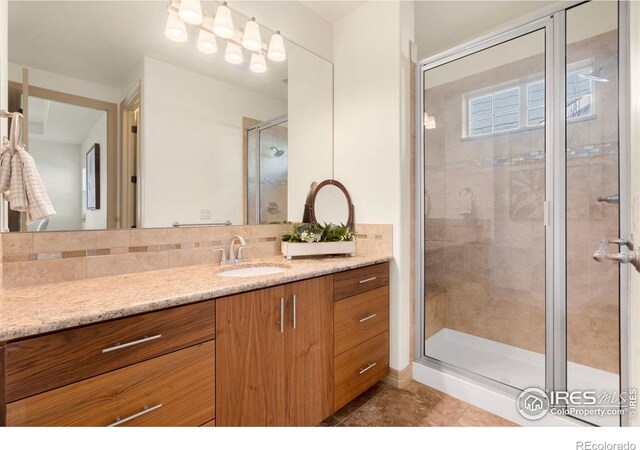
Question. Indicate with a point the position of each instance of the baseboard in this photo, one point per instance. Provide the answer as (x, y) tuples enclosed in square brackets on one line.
[(399, 378)]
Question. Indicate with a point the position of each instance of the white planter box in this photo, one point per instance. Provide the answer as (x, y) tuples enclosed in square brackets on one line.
[(291, 249)]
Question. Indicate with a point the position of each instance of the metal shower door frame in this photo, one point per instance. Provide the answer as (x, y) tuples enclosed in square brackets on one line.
[(554, 24)]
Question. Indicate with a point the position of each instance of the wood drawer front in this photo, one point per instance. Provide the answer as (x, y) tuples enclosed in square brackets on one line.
[(47, 362), (182, 382), (349, 381), (357, 281), (358, 319)]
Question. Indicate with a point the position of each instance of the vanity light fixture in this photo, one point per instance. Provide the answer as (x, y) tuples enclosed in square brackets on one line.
[(206, 39), (276, 48), (251, 38), (429, 122), (191, 12), (258, 64), (233, 54), (175, 28), (182, 12), (223, 23)]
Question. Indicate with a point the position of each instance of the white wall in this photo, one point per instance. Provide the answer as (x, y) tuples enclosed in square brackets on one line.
[(310, 126), (61, 83), (59, 167), (191, 154), (372, 141), (96, 219), (295, 21), (441, 25)]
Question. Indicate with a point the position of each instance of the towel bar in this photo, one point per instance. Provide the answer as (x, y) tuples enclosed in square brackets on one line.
[(191, 225)]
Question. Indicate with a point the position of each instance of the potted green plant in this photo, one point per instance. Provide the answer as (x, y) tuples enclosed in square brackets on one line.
[(306, 239)]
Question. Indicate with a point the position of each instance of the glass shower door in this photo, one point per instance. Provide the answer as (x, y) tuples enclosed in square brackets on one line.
[(593, 201), (484, 211)]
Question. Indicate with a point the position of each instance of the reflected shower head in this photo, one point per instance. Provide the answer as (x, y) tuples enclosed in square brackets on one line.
[(597, 73), (277, 153)]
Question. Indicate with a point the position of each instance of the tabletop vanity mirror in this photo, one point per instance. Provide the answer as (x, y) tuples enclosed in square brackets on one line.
[(330, 202), (191, 127)]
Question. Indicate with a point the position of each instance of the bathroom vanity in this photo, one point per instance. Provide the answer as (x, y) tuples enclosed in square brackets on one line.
[(282, 350)]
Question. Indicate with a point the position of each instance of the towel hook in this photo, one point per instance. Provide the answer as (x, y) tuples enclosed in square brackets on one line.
[(466, 189)]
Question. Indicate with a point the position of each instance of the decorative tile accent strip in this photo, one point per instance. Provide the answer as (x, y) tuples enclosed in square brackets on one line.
[(603, 149), (64, 258)]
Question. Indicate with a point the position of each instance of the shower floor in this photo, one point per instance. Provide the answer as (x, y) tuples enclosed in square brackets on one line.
[(514, 366)]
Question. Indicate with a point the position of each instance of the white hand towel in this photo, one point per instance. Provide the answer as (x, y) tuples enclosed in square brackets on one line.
[(20, 181)]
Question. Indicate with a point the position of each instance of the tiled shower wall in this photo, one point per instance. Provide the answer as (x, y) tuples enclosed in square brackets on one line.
[(485, 272), (50, 257)]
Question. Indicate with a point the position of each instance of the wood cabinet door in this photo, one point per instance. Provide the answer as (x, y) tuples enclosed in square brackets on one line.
[(250, 347), (309, 351)]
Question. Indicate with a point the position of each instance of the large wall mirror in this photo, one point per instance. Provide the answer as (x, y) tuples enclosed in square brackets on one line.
[(183, 136)]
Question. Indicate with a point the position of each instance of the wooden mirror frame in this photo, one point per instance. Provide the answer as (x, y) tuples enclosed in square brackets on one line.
[(310, 209)]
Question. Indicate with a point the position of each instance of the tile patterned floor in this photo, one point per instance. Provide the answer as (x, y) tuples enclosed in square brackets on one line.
[(416, 405)]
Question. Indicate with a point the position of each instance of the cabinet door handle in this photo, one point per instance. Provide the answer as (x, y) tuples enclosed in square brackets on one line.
[(145, 410), (281, 321), (367, 280), (132, 343), (370, 366), (364, 319), (295, 313)]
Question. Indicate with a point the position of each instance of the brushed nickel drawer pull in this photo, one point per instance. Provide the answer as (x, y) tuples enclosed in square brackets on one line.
[(295, 311), (145, 411), (281, 321), (364, 319), (370, 366), (366, 280), (130, 344)]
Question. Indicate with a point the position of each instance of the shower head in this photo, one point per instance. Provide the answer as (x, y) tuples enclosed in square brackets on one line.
[(277, 153), (597, 73)]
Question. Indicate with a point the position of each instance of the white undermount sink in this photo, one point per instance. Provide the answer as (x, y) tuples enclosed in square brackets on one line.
[(252, 271)]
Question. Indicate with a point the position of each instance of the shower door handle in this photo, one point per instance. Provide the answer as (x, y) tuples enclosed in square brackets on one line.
[(632, 257), (611, 199)]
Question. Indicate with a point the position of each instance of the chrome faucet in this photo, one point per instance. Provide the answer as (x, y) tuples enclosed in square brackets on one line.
[(232, 254), (233, 259)]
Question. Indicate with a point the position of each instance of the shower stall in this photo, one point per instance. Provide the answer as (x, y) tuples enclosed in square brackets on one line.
[(267, 172), (521, 172)]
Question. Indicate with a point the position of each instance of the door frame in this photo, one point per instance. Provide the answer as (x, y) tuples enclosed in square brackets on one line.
[(131, 103), (112, 135), (553, 21)]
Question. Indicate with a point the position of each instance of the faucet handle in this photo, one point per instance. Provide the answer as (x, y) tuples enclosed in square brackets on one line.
[(223, 255)]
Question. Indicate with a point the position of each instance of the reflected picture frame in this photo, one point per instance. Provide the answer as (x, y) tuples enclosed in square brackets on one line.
[(93, 177)]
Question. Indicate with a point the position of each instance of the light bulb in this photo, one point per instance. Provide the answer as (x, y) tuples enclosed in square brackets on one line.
[(191, 12), (175, 29), (251, 38), (206, 39), (258, 64), (276, 48), (233, 54), (223, 23)]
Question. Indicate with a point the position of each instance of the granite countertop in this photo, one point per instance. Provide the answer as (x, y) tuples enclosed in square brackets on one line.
[(34, 310)]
